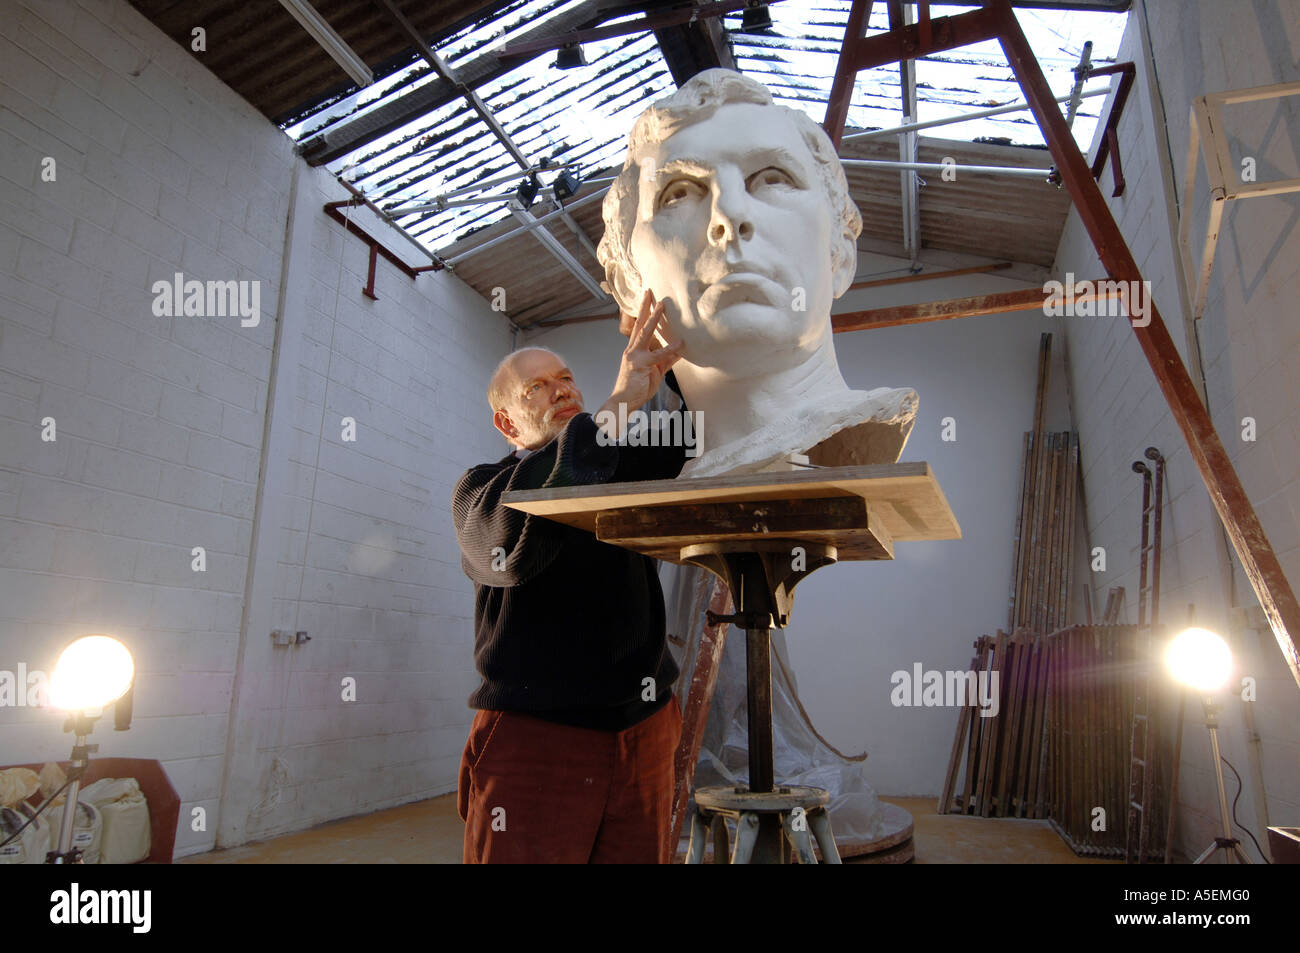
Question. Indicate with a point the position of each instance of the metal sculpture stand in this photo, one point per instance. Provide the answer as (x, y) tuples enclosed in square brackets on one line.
[(769, 819)]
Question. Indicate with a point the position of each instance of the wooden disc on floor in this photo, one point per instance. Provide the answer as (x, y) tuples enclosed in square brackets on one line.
[(893, 846)]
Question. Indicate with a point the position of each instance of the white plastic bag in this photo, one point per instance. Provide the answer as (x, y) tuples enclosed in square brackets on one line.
[(87, 829), (31, 845), (17, 784), (51, 779), (125, 819)]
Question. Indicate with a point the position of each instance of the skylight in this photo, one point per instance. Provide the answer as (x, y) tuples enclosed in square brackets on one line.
[(583, 115)]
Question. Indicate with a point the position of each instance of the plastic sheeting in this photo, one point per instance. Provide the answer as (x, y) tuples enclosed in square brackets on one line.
[(800, 756)]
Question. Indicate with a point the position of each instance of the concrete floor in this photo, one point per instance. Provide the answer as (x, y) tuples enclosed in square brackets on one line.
[(430, 832)]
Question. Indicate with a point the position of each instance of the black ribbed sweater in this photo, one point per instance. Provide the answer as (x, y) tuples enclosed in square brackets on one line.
[(566, 627)]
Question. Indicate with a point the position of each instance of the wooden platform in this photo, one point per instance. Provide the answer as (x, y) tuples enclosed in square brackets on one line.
[(902, 502)]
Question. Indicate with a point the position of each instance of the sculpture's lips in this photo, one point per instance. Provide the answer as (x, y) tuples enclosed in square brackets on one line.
[(742, 286)]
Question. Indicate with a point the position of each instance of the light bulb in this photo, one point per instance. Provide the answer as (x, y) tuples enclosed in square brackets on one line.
[(92, 672), (1199, 659)]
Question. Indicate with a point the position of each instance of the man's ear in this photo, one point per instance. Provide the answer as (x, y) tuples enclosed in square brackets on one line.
[(501, 420)]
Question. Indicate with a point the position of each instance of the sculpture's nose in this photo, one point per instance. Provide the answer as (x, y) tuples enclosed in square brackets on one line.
[(731, 220)]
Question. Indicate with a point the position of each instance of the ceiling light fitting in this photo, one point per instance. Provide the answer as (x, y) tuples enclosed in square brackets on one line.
[(570, 56)]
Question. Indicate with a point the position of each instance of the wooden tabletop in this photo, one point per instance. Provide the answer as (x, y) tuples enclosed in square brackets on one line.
[(904, 501)]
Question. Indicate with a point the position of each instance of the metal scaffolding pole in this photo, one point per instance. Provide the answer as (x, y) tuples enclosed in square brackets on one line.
[(524, 228), (980, 114), (940, 167)]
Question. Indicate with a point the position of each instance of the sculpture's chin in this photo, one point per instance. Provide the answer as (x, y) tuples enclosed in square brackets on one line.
[(755, 322), (747, 343)]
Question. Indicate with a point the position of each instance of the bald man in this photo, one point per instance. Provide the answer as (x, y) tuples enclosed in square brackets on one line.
[(570, 756)]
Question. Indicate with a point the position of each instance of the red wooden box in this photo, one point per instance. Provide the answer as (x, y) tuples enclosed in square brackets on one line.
[(164, 802)]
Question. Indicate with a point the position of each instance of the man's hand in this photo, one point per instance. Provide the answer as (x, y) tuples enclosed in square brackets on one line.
[(642, 367)]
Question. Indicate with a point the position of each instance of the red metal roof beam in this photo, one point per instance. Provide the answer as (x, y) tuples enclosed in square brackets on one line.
[(861, 52)]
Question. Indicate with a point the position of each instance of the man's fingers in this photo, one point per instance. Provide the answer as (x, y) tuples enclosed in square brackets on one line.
[(634, 324), (665, 364), (646, 327), (651, 319), (668, 349), (661, 359), (647, 305)]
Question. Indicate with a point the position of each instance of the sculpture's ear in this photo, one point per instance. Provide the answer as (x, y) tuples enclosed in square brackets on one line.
[(623, 281), (625, 294), (844, 264)]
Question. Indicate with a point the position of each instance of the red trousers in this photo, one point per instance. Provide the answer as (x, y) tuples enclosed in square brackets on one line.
[(536, 792)]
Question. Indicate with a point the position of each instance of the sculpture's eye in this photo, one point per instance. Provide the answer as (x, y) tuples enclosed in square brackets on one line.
[(677, 190), (771, 176)]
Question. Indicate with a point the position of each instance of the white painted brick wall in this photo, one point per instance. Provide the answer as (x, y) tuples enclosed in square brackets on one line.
[(1251, 350), (366, 553), (161, 421)]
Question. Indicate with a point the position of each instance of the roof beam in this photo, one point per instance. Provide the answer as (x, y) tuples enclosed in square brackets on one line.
[(652, 22), (691, 48), (888, 317), (552, 244), (860, 51), (333, 44), (999, 302)]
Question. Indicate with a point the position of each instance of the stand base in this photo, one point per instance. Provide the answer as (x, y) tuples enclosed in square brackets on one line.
[(761, 820), (895, 845), (1229, 845)]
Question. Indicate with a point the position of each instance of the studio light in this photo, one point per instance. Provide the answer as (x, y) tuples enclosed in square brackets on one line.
[(570, 56), (756, 19), (565, 185), (92, 672), (1202, 661), (527, 191)]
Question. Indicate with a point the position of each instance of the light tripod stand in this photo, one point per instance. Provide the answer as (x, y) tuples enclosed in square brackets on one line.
[(1227, 843)]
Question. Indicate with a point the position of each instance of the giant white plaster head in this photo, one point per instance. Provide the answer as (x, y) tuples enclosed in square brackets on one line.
[(735, 212)]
